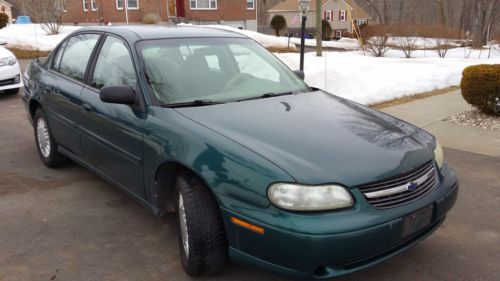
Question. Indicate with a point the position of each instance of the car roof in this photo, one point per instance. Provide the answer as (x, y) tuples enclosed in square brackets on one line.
[(145, 32)]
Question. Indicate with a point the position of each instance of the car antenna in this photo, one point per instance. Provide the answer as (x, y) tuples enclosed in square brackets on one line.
[(36, 44)]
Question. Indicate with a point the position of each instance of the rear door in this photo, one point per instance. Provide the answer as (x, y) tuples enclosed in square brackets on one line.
[(63, 85), (112, 134)]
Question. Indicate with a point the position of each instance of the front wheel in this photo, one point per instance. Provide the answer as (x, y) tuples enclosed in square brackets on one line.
[(47, 148), (202, 238)]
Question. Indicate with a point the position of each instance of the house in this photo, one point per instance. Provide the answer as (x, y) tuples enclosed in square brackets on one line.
[(6, 8), (236, 13), (343, 15)]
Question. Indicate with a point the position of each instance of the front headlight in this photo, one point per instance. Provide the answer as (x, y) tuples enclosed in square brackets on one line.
[(298, 197), (8, 61), (11, 60), (439, 155)]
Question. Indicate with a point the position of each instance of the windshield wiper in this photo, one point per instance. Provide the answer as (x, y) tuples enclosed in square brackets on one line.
[(192, 103), (267, 95)]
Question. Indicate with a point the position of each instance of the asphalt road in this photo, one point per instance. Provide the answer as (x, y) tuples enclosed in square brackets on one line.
[(68, 224)]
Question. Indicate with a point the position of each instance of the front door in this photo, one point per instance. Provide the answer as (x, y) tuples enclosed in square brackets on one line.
[(179, 6), (63, 86), (112, 134)]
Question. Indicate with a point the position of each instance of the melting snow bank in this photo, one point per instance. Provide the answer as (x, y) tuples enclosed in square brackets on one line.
[(369, 80), (32, 36)]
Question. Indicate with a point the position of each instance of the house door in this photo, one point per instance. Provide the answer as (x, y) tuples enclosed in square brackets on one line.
[(179, 8)]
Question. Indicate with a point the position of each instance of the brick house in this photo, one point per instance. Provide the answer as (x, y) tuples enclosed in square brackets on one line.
[(237, 13), (343, 15)]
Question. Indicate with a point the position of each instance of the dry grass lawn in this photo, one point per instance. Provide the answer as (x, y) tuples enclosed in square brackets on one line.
[(412, 98)]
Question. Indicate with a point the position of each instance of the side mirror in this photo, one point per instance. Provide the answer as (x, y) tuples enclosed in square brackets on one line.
[(118, 94), (300, 74)]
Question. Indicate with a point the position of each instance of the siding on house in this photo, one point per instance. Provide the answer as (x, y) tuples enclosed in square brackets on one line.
[(229, 12)]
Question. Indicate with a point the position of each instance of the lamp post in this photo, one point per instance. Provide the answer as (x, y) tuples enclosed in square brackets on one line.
[(304, 8)]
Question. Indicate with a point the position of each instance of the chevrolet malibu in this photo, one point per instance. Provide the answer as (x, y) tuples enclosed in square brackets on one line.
[(261, 168)]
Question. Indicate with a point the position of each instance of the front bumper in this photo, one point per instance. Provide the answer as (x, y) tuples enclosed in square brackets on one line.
[(10, 77), (334, 244)]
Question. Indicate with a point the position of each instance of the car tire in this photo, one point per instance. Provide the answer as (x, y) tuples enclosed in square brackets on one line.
[(45, 144), (202, 238), (12, 91)]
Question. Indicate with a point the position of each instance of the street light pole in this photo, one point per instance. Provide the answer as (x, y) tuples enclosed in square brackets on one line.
[(304, 7)]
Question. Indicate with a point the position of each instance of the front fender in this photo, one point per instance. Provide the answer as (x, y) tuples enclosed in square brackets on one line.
[(228, 168)]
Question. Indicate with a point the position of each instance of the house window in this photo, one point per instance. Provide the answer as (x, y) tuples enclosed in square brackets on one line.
[(250, 4), (342, 15), (93, 5), (131, 4), (203, 4), (329, 15), (338, 33), (85, 4)]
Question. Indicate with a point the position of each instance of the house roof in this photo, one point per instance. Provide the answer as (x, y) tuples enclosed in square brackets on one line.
[(6, 3), (357, 11), (292, 5)]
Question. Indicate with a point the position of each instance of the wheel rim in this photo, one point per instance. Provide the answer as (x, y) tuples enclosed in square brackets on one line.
[(43, 137), (183, 226)]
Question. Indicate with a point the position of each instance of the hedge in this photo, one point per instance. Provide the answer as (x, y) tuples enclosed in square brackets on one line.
[(481, 87)]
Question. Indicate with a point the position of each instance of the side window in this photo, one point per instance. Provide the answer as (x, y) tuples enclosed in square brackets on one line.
[(56, 61), (114, 65), (76, 55)]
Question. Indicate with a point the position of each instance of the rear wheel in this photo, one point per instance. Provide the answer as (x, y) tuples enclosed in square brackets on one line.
[(202, 238), (47, 148)]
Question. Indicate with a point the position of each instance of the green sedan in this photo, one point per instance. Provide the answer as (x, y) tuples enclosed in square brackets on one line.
[(261, 168)]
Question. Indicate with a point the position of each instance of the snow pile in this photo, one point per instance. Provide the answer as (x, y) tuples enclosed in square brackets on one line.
[(370, 80), (30, 36), (265, 40)]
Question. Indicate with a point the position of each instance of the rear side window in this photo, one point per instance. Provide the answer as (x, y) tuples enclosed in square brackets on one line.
[(114, 65), (57, 57), (76, 55)]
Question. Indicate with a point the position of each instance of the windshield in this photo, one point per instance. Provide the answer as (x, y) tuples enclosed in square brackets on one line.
[(214, 70)]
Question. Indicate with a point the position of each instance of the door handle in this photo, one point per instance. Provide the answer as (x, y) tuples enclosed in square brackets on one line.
[(87, 107)]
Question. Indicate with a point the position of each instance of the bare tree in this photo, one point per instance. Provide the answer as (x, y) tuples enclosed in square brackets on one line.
[(377, 45), (46, 12), (407, 44), (376, 38), (485, 14)]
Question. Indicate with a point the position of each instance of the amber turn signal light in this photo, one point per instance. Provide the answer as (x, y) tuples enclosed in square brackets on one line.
[(247, 225)]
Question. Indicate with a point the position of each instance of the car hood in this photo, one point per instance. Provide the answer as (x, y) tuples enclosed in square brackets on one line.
[(319, 138)]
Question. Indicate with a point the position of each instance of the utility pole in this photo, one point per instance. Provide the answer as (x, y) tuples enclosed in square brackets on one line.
[(125, 6), (319, 28)]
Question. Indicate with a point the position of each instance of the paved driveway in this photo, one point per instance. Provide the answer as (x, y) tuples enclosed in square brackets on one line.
[(68, 224)]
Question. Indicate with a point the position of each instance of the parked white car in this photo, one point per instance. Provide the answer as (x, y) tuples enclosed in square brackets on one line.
[(10, 74)]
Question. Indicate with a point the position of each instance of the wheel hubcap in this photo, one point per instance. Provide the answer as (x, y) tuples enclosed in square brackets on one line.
[(183, 226), (43, 137)]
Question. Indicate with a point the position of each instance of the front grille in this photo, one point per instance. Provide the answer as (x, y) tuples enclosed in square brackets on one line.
[(403, 189), (7, 82)]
